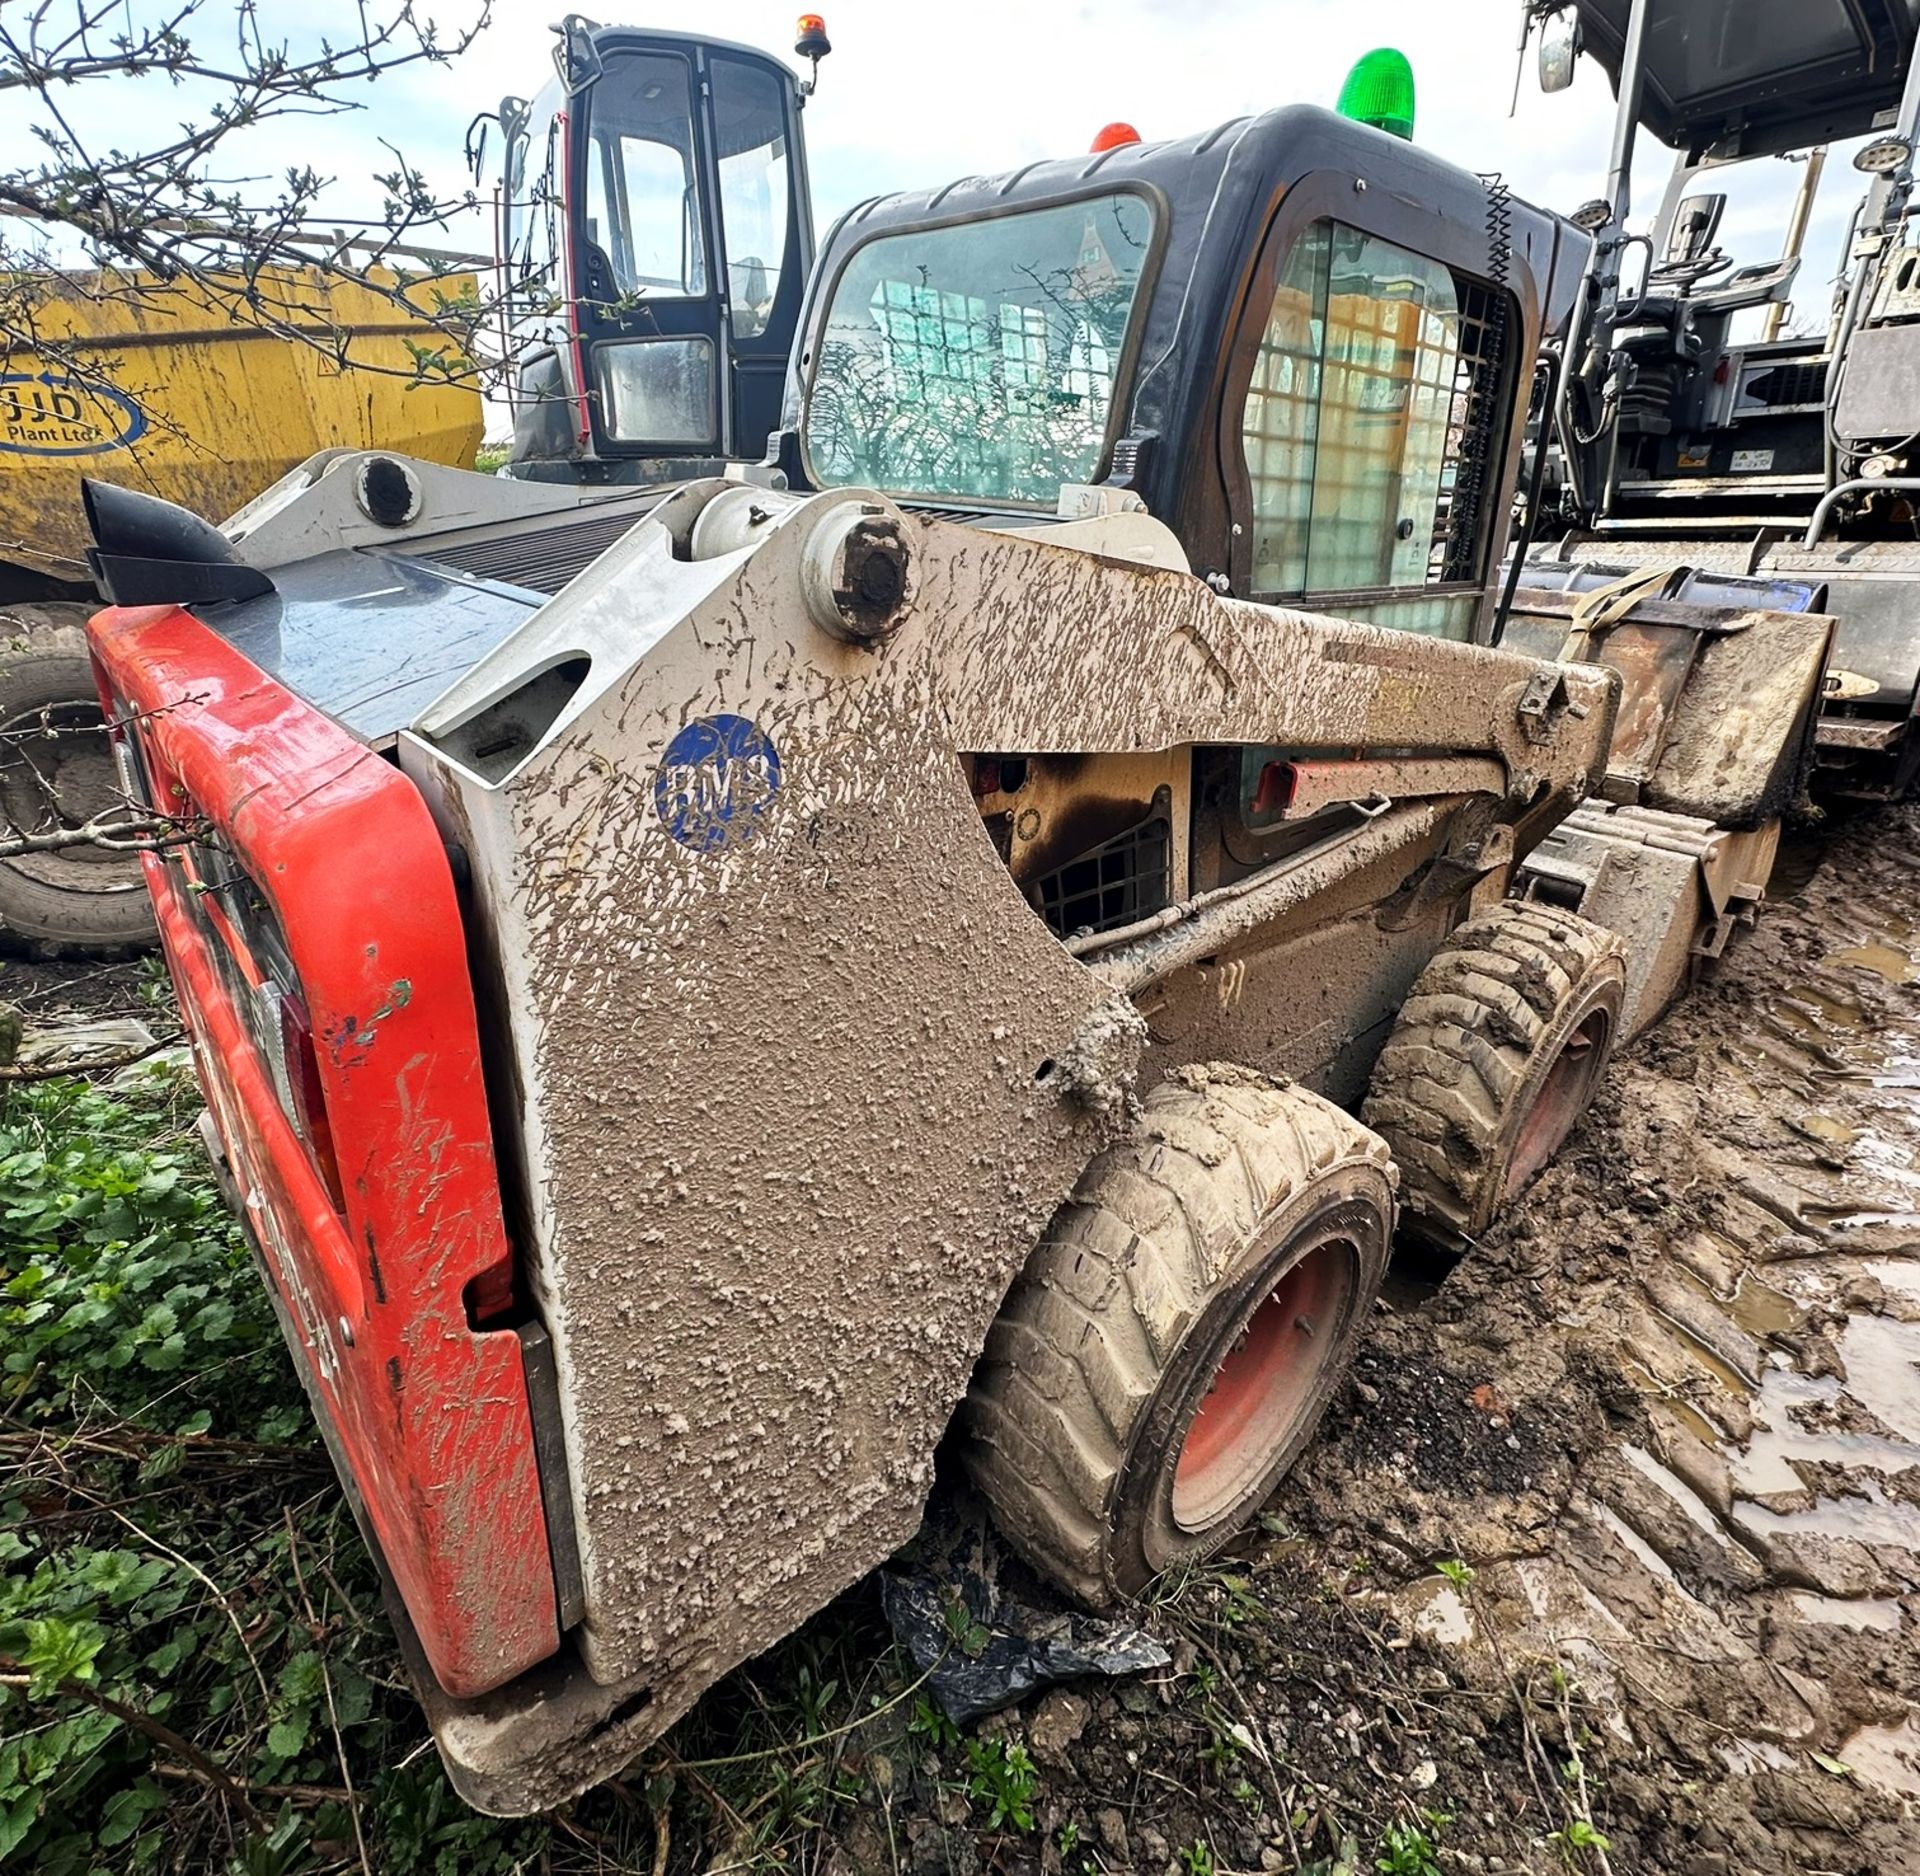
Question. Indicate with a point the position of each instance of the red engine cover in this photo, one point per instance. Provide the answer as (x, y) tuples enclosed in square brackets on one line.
[(429, 1414)]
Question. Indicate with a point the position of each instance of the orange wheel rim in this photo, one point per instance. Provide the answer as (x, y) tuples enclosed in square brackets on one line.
[(1562, 1099), (1267, 1379)]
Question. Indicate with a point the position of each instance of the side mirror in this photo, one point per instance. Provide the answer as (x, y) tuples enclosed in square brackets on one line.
[(1559, 47), (576, 58), (1695, 223)]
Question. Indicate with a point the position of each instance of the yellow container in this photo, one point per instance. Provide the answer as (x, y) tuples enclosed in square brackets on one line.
[(163, 389)]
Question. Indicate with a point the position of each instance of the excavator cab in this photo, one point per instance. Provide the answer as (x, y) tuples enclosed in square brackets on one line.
[(654, 234)]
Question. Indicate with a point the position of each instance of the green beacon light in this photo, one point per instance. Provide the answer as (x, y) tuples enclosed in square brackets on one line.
[(1379, 91)]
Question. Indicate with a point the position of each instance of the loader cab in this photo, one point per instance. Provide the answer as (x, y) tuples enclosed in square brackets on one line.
[(1301, 342), (654, 233)]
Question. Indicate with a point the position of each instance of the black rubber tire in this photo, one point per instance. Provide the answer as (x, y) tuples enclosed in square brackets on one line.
[(1518, 1009), (85, 902), (1147, 1278)]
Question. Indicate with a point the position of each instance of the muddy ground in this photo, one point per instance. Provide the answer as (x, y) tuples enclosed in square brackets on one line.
[(1663, 1433), (1663, 1429)]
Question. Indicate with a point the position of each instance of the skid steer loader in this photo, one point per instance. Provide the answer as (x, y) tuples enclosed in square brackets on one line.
[(706, 994)]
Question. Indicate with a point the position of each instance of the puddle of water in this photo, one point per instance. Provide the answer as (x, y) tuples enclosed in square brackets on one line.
[(1722, 1370), (1650, 1558), (1708, 1432), (1841, 1220), (1760, 1309), (1744, 1757), (1884, 960), (1870, 1518), (1880, 1615), (1879, 1355), (1828, 1130), (1755, 1306), (1831, 1010), (1440, 1612), (1675, 1488), (1882, 1359), (1895, 1273), (1886, 1756)]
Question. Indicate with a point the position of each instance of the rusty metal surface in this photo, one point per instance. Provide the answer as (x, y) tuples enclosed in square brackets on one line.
[(1871, 593), (1316, 785), (1740, 740), (802, 1074), (1715, 717)]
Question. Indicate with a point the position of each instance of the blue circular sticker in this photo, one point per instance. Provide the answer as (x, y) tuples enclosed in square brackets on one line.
[(716, 782)]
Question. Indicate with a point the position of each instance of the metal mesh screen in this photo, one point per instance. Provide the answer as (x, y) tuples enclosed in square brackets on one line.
[(1473, 440), (1115, 883)]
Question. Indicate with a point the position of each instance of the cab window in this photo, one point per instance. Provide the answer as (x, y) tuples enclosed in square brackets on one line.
[(750, 121), (643, 202), (1369, 432), (979, 360)]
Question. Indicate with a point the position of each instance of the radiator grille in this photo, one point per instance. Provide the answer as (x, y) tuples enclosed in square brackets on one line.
[(1114, 884), (542, 560)]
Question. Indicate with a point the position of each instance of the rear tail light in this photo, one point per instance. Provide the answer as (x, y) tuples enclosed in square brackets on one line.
[(249, 951), (285, 1035)]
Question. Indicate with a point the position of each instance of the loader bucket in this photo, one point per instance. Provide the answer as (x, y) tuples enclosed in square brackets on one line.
[(1714, 744)]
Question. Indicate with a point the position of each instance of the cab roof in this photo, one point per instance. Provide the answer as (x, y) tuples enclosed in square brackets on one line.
[(1218, 191), (1757, 77)]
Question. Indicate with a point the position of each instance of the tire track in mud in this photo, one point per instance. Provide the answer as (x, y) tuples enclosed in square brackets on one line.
[(1670, 1414)]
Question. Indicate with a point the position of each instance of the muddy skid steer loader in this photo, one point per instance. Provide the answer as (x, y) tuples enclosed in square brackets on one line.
[(703, 997)]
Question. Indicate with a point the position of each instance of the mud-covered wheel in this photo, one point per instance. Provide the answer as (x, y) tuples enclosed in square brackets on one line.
[(56, 771), (1492, 1060), (1177, 1334)]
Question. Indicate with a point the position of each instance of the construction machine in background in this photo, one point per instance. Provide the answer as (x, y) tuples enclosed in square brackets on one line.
[(160, 389), (972, 929), (1692, 438), (653, 235), (638, 355)]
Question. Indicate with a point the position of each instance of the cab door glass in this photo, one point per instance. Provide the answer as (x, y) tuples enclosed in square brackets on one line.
[(1372, 385), (532, 202), (643, 196), (750, 125)]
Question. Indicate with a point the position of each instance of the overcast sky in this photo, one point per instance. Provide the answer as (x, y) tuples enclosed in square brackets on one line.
[(917, 94)]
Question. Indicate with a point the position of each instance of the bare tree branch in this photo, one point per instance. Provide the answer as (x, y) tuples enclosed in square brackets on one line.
[(181, 213)]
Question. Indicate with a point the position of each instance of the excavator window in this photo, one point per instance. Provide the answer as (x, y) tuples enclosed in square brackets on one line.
[(643, 202), (979, 359), (750, 124), (1375, 380)]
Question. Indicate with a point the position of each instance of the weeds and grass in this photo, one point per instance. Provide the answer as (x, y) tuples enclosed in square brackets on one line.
[(1003, 1781), (1412, 1849), (194, 1674), (1578, 1838), (1196, 1858)]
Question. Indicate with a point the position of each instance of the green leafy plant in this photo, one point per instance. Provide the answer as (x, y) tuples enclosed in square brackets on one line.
[(1577, 1837), (966, 1635), (1457, 1572), (1002, 1777), (177, 1648), (1196, 1858), (1412, 1849), (931, 1725)]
